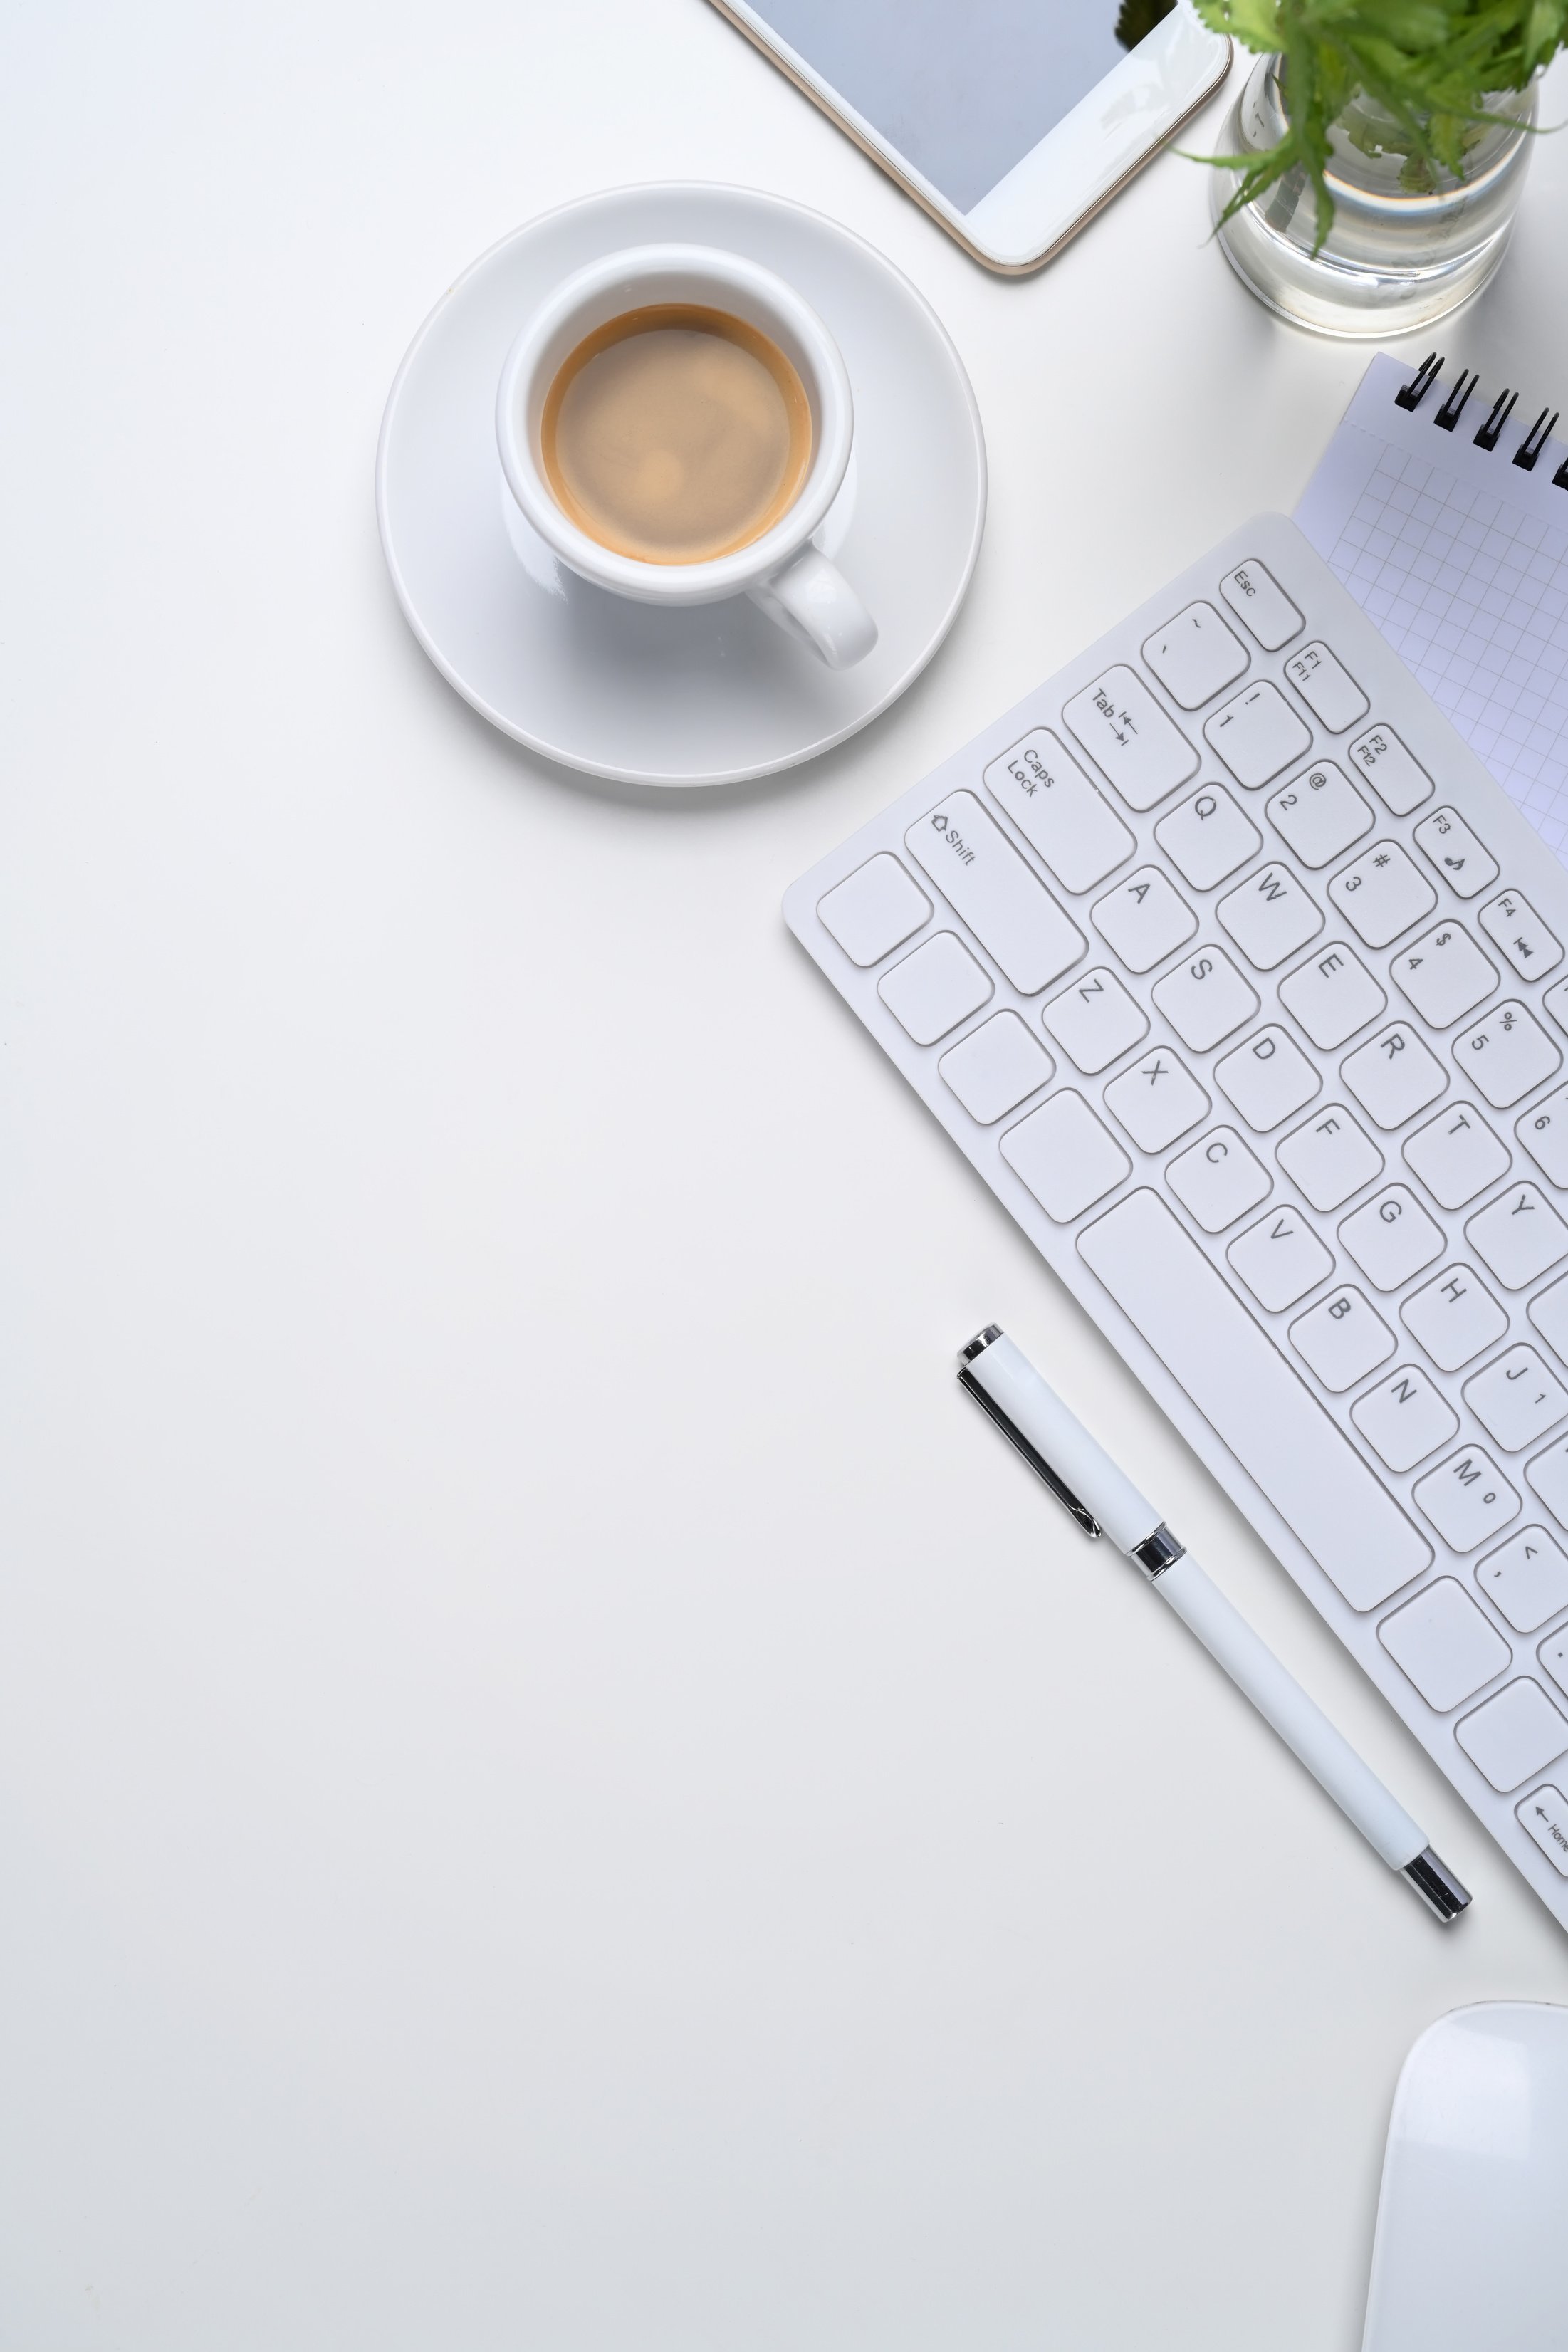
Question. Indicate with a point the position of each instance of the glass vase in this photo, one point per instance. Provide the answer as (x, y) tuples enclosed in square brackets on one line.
[(1398, 255)]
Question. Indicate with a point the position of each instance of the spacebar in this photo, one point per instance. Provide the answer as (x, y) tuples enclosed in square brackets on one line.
[(1262, 1410)]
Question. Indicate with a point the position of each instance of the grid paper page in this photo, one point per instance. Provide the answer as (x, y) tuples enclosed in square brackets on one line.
[(1461, 558)]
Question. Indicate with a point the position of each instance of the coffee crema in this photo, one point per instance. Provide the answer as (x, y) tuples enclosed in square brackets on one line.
[(676, 433)]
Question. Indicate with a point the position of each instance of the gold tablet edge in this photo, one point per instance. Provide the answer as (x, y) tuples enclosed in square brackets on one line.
[(884, 164)]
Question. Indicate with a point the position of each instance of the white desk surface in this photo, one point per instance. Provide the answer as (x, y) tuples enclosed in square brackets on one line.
[(559, 1788)]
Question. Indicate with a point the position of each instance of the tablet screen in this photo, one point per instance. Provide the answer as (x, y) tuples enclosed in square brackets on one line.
[(963, 88)]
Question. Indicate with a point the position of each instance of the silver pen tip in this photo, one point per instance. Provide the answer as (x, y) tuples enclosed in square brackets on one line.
[(1437, 1885)]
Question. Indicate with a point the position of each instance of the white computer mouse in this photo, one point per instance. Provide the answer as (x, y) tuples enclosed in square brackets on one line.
[(1472, 2251)]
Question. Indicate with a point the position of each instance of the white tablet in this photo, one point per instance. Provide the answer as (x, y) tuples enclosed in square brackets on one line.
[(1012, 121)]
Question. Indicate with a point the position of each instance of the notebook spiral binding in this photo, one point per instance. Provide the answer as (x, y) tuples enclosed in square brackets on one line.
[(1446, 416)]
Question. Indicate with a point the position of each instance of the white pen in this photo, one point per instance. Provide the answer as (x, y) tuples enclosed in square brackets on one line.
[(1104, 1501)]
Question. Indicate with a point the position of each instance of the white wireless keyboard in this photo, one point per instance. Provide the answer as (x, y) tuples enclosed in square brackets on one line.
[(1243, 986)]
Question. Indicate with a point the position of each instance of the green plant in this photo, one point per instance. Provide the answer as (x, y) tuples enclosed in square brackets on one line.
[(1426, 67), (1136, 19)]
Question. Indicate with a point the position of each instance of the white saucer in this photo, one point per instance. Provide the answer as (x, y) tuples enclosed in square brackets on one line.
[(626, 690)]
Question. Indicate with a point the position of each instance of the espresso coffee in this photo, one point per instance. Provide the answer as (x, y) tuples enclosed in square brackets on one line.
[(676, 433)]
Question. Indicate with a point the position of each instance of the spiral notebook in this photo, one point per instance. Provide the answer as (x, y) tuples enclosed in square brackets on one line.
[(1444, 509)]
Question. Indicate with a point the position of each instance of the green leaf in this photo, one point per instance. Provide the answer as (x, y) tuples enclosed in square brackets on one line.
[(1253, 23), (1429, 67), (1543, 29), (1408, 25)]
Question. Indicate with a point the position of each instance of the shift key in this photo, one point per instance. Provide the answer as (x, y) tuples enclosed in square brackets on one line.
[(985, 880)]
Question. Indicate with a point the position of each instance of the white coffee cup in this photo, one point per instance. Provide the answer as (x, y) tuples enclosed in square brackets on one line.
[(781, 571)]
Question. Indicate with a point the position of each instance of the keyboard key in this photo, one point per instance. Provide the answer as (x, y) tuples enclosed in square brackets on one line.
[(1068, 1160), (1507, 1055), (1463, 861), (1218, 1179), (1516, 1400), (934, 989), (1544, 1132), (1343, 1339), (987, 883), (1445, 1644), (1467, 1499), (1383, 894), (1444, 974), (1553, 1656), (996, 1068), (1265, 609), (1330, 1158), (1064, 817), (1511, 1737), (1526, 1577), (1332, 995), (1405, 1418), (1511, 923), (1518, 1236), (1094, 1021), (1206, 998), (1194, 654), (874, 910), (1126, 733), (1280, 1258), (1238, 1379), (1267, 1078), (1456, 1155), (1400, 781), (1548, 1311), (1454, 1317), (1144, 919), (1257, 735), (1392, 1237), (1320, 814), (1393, 1076), (1208, 837), (1548, 1473), (1269, 916), (1327, 688), (1544, 1813), (1156, 1100)]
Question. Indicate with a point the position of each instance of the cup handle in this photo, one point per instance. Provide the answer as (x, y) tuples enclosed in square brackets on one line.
[(810, 600)]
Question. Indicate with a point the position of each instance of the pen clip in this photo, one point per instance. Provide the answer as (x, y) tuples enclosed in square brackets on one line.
[(1035, 1460)]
